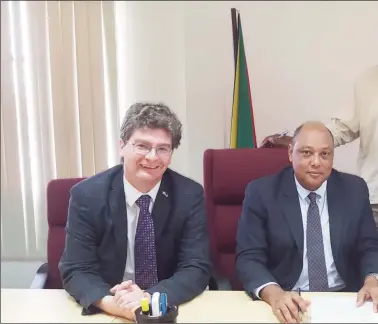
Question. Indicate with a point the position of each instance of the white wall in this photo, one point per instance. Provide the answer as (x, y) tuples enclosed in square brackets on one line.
[(18, 274), (303, 58), (155, 59)]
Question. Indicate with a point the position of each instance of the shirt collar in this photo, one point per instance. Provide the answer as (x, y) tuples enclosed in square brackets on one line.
[(132, 194), (303, 192)]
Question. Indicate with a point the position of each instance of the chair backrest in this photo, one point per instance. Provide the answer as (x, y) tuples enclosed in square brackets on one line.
[(226, 175), (58, 195)]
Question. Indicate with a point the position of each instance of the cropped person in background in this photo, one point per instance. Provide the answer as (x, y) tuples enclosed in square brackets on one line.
[(363, 125), (139, 227), (309, 227)]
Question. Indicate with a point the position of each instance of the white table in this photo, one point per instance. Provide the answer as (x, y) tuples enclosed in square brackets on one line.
[(44, 306)]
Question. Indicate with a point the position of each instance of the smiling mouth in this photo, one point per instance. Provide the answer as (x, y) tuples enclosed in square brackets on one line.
[(149, 167), (315, 173)]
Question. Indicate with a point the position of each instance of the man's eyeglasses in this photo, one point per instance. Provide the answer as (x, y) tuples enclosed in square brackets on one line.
[(144, 149)]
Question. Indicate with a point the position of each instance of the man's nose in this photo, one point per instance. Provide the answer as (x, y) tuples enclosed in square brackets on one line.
[(315, 161), (152, 154)]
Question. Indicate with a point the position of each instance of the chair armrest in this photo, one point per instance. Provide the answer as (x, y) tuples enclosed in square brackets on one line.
[(219, 282), (40, 278)]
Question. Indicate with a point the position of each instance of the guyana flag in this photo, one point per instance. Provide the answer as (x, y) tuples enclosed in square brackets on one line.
[(243, 133)]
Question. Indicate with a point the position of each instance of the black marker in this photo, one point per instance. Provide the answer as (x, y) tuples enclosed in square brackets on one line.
[(299, 293)]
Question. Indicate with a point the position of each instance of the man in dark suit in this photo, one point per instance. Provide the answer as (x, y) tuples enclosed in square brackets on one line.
[(308, 227), (139, 227)]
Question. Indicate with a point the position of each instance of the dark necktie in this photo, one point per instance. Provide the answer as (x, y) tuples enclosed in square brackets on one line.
[(317, 271), (145, 250)]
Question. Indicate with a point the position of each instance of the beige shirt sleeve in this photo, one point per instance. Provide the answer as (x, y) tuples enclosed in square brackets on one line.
[(346, 131)]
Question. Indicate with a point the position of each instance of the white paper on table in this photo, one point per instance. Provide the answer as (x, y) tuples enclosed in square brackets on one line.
[(341, 309)]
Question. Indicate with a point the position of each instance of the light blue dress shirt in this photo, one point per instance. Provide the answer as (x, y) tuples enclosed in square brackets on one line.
[(334, 279)]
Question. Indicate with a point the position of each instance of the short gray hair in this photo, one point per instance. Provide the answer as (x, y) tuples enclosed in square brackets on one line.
[(154, 116)]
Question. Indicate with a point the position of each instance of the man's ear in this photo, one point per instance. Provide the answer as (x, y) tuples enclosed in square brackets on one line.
[(290, 152), (121, 144)]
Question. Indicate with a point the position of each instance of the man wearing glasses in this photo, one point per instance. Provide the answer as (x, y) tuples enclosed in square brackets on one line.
[(139, 227)]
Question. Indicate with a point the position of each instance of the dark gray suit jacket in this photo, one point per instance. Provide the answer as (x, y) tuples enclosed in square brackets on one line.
[(94, 258), (270, 232)]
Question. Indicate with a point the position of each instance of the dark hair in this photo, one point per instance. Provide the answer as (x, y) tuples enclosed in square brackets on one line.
[(299, 128), (151, 115)]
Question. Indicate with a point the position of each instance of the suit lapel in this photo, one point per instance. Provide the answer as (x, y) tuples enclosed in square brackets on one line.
[(162, 205), (336, 211), (118, 214), (292, 210)]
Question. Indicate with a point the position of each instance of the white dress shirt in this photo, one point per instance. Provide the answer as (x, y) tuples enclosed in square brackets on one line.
[(132, 195), (363, 125), (334, 279)]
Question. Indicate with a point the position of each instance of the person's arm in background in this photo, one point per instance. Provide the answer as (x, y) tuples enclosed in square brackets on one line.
[(346, 131), (343, 131)]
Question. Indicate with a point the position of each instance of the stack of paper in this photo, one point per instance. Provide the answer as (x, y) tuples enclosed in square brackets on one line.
[(341, 309)]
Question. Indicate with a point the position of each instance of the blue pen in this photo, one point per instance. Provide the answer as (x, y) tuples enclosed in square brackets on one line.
[(163, 304)]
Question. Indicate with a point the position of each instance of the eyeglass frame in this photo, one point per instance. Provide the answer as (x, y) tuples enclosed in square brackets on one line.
[(170, 150)]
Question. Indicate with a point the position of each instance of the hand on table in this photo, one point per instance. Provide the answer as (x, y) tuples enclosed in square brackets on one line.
[(369, 292), (285, 305), (128, 297)]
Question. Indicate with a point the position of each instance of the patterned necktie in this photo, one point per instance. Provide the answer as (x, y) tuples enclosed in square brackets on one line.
[(145, 250), (317, 271)]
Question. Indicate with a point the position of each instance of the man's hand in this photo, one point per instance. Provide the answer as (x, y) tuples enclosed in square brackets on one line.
[(122, 286), (369, 292), (286, 306), (128, 295), (109, 306), (276, 141)]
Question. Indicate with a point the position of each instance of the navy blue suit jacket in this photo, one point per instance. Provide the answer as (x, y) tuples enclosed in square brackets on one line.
[(270, 231), (94, 258)]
